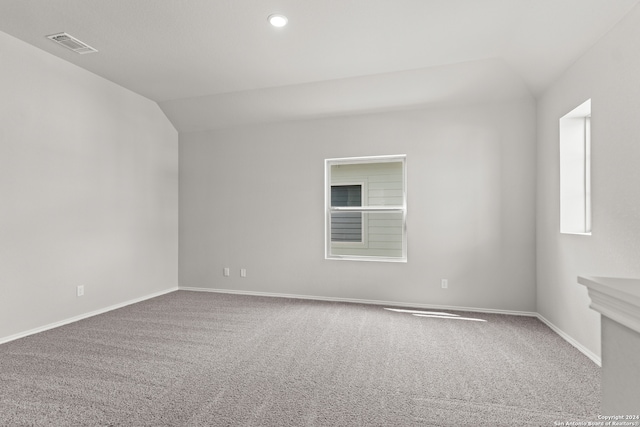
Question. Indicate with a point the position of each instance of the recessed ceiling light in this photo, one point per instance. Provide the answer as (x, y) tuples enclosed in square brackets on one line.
[(278, 20)]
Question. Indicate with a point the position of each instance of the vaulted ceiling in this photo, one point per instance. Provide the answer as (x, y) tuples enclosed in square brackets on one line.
[(218, 63)]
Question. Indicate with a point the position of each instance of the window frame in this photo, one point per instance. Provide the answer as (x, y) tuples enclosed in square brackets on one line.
[(575, 182), (365, 209)]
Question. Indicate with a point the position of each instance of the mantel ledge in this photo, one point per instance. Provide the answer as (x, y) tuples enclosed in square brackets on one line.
[(616, 298)]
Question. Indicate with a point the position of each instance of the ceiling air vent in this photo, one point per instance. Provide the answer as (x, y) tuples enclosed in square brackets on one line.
[(71, 43)]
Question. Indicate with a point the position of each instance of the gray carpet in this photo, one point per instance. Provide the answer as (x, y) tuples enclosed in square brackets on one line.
[(204, 359)]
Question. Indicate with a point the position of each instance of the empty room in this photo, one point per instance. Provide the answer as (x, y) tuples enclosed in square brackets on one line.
[(319, 213)]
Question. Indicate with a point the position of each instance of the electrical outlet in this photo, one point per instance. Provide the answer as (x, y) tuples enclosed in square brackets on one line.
[(80, 290), (444, 283), (226, 272), (243, 272)]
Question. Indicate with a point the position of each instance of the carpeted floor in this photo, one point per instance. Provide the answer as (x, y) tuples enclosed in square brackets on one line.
[(205, 359)]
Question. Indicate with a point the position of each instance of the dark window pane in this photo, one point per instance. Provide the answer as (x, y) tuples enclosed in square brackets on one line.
[(346, 195)]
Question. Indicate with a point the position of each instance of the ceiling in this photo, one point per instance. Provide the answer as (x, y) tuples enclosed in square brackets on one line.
[(217, 63)]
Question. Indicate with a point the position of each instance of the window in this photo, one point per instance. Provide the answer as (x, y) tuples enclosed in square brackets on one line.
[(575, 171), (366, 207), (346, 226)]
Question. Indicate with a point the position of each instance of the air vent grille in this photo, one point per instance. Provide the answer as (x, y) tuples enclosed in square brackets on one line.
[(71, 43)]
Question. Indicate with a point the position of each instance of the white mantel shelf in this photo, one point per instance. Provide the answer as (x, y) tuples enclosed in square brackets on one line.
[(618, 299)]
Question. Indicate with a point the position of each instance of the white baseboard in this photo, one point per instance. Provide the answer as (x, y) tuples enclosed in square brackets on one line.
[(364, 301), (84, 316), (568, 338), (595, 358)]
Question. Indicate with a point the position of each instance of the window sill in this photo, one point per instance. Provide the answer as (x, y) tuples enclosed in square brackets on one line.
[(365, 258)]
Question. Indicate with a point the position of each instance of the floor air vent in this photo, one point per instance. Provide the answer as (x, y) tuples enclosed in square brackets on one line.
[(71, 43)]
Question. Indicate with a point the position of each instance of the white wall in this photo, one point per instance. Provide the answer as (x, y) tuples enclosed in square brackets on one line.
[(608, 74), (471, 187), (88, 191)]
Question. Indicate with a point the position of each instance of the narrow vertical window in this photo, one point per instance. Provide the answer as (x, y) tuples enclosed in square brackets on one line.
[(365, 203), (575, 171)]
